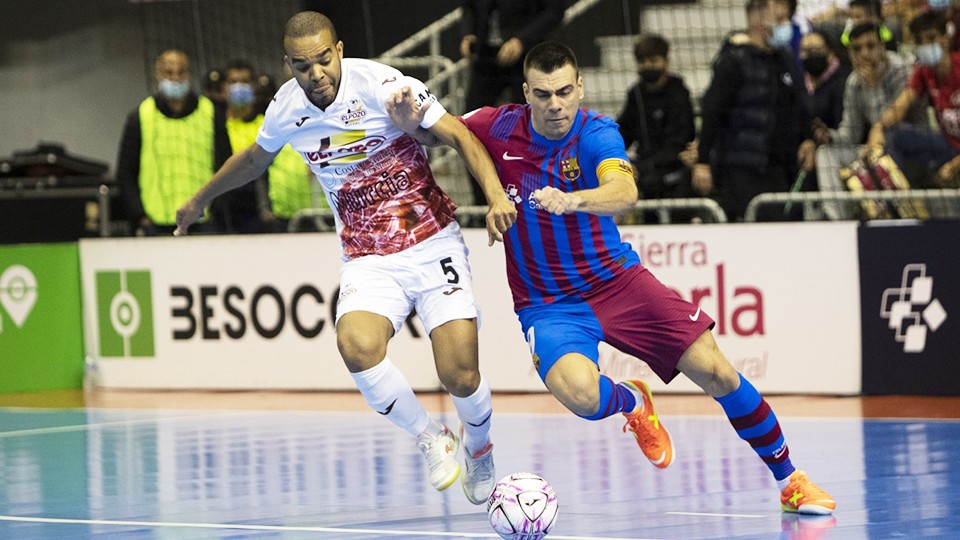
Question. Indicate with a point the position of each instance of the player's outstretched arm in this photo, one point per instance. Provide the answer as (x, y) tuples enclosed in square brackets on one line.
[(617, 192), (502, 213), (240, 169)]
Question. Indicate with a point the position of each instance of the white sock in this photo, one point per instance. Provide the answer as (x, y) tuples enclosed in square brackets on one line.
[(387, 391), (783, 483), (474, 412)]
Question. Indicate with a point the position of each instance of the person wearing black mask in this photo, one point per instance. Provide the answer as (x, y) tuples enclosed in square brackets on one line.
[(824, 78), (658, 118)]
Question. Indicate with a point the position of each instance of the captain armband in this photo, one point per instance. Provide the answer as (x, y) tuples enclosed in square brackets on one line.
[(614, 164)]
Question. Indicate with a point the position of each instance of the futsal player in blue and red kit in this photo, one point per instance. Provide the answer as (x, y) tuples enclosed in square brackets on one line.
[(575, 283)]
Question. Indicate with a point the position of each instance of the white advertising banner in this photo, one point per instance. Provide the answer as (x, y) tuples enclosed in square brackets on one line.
[(249, 312), (785, 298), (231, 312)]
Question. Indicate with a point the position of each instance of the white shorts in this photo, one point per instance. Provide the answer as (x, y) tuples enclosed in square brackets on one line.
[(432, 277)]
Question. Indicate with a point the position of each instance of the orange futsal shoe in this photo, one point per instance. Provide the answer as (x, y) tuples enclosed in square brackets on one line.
[(643, 422), (805, 497)]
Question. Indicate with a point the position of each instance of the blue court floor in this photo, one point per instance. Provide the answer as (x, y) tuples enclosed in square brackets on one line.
[(198, 474)]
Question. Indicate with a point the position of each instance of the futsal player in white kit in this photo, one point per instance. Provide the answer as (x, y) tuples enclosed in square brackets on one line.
[(402, 246)]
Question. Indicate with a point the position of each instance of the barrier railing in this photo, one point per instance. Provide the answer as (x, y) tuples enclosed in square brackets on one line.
[(949, 199)]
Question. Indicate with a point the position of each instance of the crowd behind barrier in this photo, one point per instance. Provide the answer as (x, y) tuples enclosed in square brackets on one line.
[(852, 60)]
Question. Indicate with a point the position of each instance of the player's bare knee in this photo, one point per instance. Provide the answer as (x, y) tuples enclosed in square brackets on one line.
[(460, 382), (360, 351), (581, 397)]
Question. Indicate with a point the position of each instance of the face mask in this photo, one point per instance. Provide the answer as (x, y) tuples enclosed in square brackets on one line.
[(240, 93), (174, 90), (782, 35), (651, 76), (929, 54), (815, 65), (938, 5)]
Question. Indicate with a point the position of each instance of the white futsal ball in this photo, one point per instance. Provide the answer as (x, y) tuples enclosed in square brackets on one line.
[(523, 506)]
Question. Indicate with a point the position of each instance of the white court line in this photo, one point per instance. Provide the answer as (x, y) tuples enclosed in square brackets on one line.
[(714, 515), (84, 427), (281, 528)]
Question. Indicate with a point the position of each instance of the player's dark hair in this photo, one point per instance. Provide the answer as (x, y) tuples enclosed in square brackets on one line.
[(308, 23), (550, 56), (865, 28), (650, 45), (928, 20)]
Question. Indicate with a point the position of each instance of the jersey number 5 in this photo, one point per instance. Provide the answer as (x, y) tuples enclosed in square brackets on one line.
[(449, 270)]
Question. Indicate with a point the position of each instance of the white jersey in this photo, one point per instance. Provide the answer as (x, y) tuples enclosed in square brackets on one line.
[(376, 177)]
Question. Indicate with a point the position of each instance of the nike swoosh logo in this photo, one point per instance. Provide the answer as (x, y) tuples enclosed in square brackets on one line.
[(695, 316), (508, 157), (661, 460), (482, 422), (389, 408)]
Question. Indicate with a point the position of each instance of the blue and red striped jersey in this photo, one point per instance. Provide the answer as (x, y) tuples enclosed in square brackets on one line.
[(552, 258)]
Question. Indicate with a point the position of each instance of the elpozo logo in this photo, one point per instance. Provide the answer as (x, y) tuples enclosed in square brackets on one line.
[(18, 294), (911, 309), (125, 313)]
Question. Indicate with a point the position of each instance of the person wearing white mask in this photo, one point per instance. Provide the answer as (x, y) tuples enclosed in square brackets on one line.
[(935, 155), (787, 31), (286, 187), (171, 144), (237, 212)]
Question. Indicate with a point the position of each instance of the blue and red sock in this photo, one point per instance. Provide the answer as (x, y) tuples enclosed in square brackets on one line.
[(756, 423), (614, 398)]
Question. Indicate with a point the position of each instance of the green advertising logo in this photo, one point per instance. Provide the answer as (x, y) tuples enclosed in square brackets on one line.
[(18, 293), (125, 313)]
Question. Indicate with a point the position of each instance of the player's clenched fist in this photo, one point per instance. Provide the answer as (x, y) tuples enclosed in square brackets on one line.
[(555, 201)]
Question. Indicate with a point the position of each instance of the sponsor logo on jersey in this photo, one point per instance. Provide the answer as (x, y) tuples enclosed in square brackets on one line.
[(346, 147), (355, 112)]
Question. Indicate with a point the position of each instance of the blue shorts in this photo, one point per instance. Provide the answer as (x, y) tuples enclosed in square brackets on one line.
[(633, 312)]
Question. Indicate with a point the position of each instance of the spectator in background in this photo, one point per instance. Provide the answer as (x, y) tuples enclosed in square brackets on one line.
[(824, 78), (755, 131), (952, 14), (878, 77), (868, 11), (786, 31), (236, 211), (496, 35), (172, 143), (937, 75), (928, 158), (658, 117)]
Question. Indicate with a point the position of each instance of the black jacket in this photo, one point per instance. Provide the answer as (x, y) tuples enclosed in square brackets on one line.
[(826, 101), (754, 112), (669, 124)]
